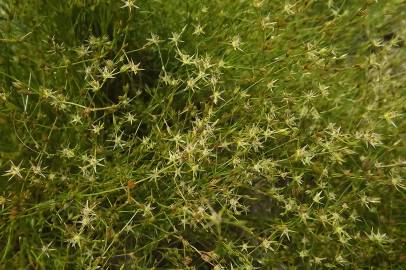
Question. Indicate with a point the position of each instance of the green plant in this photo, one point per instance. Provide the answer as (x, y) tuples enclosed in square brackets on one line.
[(202, 134)]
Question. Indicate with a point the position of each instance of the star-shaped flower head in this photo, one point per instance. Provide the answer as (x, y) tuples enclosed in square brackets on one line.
[(14, 171), (130, 4)]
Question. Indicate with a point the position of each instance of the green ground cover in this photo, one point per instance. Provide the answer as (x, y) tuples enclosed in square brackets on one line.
[(186, 134)]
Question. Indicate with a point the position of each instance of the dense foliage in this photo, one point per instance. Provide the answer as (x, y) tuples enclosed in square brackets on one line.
[(186, 134)]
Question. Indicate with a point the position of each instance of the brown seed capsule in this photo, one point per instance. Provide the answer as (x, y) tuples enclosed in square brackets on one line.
[(13, 213), (130, 184)]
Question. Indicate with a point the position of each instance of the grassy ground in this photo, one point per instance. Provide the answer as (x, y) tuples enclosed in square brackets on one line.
[(185, 134)]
